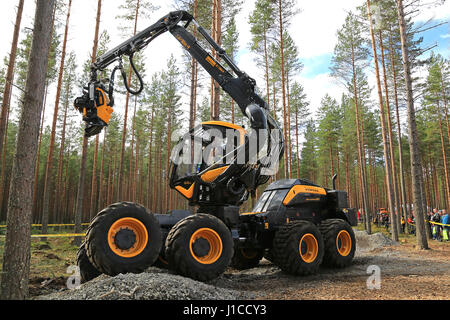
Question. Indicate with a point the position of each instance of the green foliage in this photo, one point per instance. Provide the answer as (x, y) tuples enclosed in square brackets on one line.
[(128, 14), (308, 163)]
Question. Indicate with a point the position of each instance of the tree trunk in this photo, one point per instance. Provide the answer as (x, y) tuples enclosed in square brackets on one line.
[(49, 166), (131, 163), (10, 75), (289, 123), (283, 89), (149, 170), (36, 173), (16, 257), (169, 134), (120, 192), (217, 36), (444, 158), (100, 180), (388, 172), (360, 147), (82, 177), (416, 168), (80, 192), (399, 132), (296, 141), (391, 143), (58, 197)]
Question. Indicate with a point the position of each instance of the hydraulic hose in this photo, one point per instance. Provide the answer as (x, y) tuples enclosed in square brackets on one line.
[(136, 72)]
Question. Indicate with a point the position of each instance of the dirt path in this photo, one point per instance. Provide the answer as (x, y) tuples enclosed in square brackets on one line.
[(405, 273)]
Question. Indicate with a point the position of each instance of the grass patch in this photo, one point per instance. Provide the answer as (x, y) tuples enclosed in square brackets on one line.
[(49, 259)]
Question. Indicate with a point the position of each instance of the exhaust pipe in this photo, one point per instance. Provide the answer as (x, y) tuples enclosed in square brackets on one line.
[(333, 180)]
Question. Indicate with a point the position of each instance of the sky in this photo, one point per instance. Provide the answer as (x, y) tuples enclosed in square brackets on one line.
[(313, 30)]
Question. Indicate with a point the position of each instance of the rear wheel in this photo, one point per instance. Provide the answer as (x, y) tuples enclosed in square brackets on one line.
[(87, 270), (340, 243), (199, 247), (298, 248), (246, 258), (123, 238)]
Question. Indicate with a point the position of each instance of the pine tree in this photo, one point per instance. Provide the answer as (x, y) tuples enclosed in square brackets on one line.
[(133, 10), (48, 171), (7, 88), (262, 25), (386, 142), (16, 258), (416, 168), (298, 117), (350, 56)]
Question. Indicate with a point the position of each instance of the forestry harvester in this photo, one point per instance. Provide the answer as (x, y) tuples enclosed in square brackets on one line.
[(295, 224)]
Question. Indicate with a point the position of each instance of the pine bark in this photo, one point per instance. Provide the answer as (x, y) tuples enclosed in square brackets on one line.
[(388, 171), (84, 150), (120, 191), (389, 134), (58, 198), (360, 146), (16, 257), (444, 158), (283, 89), (10, 75), (49, 166), (399, 132), (416, 167), (217, 36)]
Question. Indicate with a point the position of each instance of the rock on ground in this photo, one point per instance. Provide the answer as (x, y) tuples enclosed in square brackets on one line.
[(154, 284), (366, 242)]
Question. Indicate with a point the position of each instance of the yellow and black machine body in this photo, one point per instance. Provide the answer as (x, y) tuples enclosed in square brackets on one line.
[(289, 200), (216, 166)]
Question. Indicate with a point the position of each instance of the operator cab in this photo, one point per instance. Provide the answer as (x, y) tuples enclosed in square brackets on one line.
[(211, 154)]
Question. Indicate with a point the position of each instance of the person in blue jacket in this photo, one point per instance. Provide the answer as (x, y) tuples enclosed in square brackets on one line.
[(446, 229)]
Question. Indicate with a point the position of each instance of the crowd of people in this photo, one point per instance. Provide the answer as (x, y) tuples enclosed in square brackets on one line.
[(438, 222)]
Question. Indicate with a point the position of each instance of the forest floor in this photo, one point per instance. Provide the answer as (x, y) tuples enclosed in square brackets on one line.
[(405, 273)]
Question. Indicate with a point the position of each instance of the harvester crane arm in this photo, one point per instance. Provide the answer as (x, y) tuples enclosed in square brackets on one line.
[(240, 87)]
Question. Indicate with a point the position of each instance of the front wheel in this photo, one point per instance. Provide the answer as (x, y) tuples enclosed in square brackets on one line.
[(199, 247), (123, 238)]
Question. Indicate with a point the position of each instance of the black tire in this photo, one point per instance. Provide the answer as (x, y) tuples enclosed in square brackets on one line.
[(123, 238), (339, 252), (199, 247), (298, 248), (268, 255), (246, 258), (161, 261), (87, 270)]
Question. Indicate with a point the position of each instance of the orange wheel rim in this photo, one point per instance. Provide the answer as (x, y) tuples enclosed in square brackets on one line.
[(308, 248), (134, 229), (344, 243), (214, 243)]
